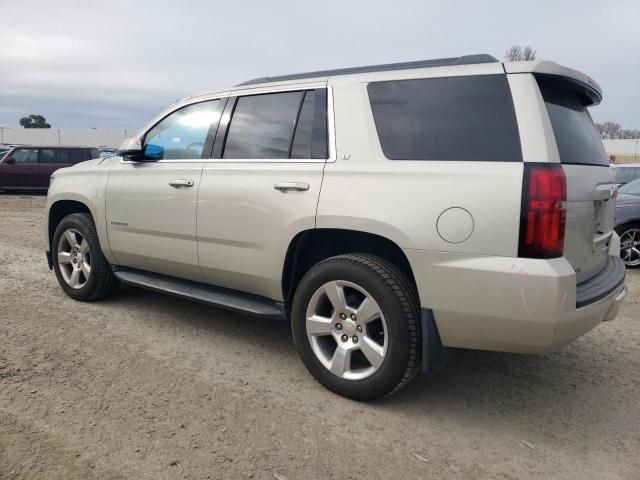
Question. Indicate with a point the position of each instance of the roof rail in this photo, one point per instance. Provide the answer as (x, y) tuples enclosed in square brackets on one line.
[(438, 62)]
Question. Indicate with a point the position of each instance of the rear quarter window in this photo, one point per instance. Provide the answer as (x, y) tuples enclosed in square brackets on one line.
[(449, 118)]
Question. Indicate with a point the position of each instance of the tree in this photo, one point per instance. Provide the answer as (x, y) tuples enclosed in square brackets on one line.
[(611, 130), (516, 53), (34, 121)]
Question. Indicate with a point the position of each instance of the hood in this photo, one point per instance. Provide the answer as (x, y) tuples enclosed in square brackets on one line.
[(626, 200)]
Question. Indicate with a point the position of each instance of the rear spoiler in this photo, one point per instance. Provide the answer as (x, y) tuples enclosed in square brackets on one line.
[(582, 82)]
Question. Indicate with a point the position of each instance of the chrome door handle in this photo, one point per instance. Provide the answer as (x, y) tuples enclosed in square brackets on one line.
[(181, 182), (286, 187)]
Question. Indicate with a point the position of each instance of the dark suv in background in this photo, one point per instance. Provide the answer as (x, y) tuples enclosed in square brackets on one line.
[(29, 167)]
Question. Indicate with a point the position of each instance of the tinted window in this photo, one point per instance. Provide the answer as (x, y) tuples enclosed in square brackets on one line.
[(183, 133), (76, 156), (302, 138), (94, 153), (576, 135), (66, 156), (25, 155), (48, 156), (262, 126), (452, 118)]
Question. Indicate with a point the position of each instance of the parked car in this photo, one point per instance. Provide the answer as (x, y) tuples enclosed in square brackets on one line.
[(387, 212), (107, 152), (628, 223), (626, 172), (30, 167)]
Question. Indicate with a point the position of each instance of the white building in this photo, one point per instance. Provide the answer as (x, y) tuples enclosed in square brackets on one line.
[(91, 137)]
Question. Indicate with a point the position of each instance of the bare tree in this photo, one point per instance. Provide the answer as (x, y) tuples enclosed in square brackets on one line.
[(516, 53), (611, 130)]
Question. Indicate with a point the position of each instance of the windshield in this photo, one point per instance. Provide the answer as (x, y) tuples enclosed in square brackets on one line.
[(626, 174), (631, 188)]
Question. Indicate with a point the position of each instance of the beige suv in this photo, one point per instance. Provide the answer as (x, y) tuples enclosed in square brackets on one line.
[(388, 212)]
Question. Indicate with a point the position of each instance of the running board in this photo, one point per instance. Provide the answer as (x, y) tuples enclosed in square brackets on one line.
[(200, 292)]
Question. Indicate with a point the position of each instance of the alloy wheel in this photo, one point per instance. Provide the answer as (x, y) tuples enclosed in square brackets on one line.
[(347, 330), (630, 247), (74, 258)]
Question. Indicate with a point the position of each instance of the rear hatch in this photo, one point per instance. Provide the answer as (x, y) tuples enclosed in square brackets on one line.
[(590, 186)]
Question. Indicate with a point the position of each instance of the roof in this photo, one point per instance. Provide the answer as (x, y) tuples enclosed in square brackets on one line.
[(438, 62)]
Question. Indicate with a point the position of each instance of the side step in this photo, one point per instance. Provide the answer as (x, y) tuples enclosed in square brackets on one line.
[(216, 296)]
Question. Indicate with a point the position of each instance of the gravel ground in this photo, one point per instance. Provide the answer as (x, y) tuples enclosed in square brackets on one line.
[(148, 386)]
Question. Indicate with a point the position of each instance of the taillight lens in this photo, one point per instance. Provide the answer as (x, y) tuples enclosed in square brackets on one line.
[(544, 211)]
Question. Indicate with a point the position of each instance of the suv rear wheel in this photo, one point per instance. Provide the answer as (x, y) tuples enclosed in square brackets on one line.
[(355, 325), (81, 269)]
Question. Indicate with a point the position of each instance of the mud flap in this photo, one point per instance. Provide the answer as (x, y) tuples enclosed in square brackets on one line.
[(434, 356)]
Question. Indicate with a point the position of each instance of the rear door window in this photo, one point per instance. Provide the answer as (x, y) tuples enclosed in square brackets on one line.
[(578, 140), (262, 126), (278, 126), (48, 155), (448, 118)]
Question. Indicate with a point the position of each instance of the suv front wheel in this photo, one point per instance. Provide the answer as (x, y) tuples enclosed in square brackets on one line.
[(81, 269), (355, 325)]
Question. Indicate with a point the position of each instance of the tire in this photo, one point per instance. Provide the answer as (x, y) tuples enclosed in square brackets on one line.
[(376, 365), (95, 279), (630, 244)]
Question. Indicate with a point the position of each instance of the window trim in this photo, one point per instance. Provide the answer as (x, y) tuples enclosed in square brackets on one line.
[(225, 121)]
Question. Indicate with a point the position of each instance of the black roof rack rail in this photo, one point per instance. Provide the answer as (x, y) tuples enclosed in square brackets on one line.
[(438, 62)]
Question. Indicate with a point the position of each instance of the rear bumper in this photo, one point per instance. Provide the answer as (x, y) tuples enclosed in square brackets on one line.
[(512, 304)]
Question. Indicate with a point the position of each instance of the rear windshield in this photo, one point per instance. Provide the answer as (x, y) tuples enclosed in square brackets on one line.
[(578, 139), (449, 118)]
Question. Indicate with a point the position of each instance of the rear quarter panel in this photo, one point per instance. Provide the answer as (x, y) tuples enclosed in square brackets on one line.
[(403, 200)]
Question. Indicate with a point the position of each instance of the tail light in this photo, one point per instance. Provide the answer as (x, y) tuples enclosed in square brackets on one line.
[(544, 211)]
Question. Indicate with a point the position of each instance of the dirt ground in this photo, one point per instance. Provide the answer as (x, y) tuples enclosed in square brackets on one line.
[(147, 386)]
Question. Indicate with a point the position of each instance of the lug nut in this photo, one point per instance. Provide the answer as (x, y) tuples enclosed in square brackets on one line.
[(343, 316), (359, 328), (338, 326), (344, 338), (355, 339), (353, 317)]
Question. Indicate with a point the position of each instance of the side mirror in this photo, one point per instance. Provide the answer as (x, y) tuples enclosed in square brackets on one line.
[(131, 148), (10, 161)]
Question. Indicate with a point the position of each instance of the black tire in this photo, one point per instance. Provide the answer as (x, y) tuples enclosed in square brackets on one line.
[(101, 282), (398, 301), (621, 231)]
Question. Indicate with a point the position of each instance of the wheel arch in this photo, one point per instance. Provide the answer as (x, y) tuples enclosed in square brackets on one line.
[(311, 246), (60, 209)]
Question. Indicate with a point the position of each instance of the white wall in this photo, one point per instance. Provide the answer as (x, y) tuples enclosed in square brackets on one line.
[(91, 137), (622, 147)]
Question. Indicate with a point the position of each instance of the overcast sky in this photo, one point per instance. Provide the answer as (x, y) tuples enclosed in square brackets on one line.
[(113, 63)]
